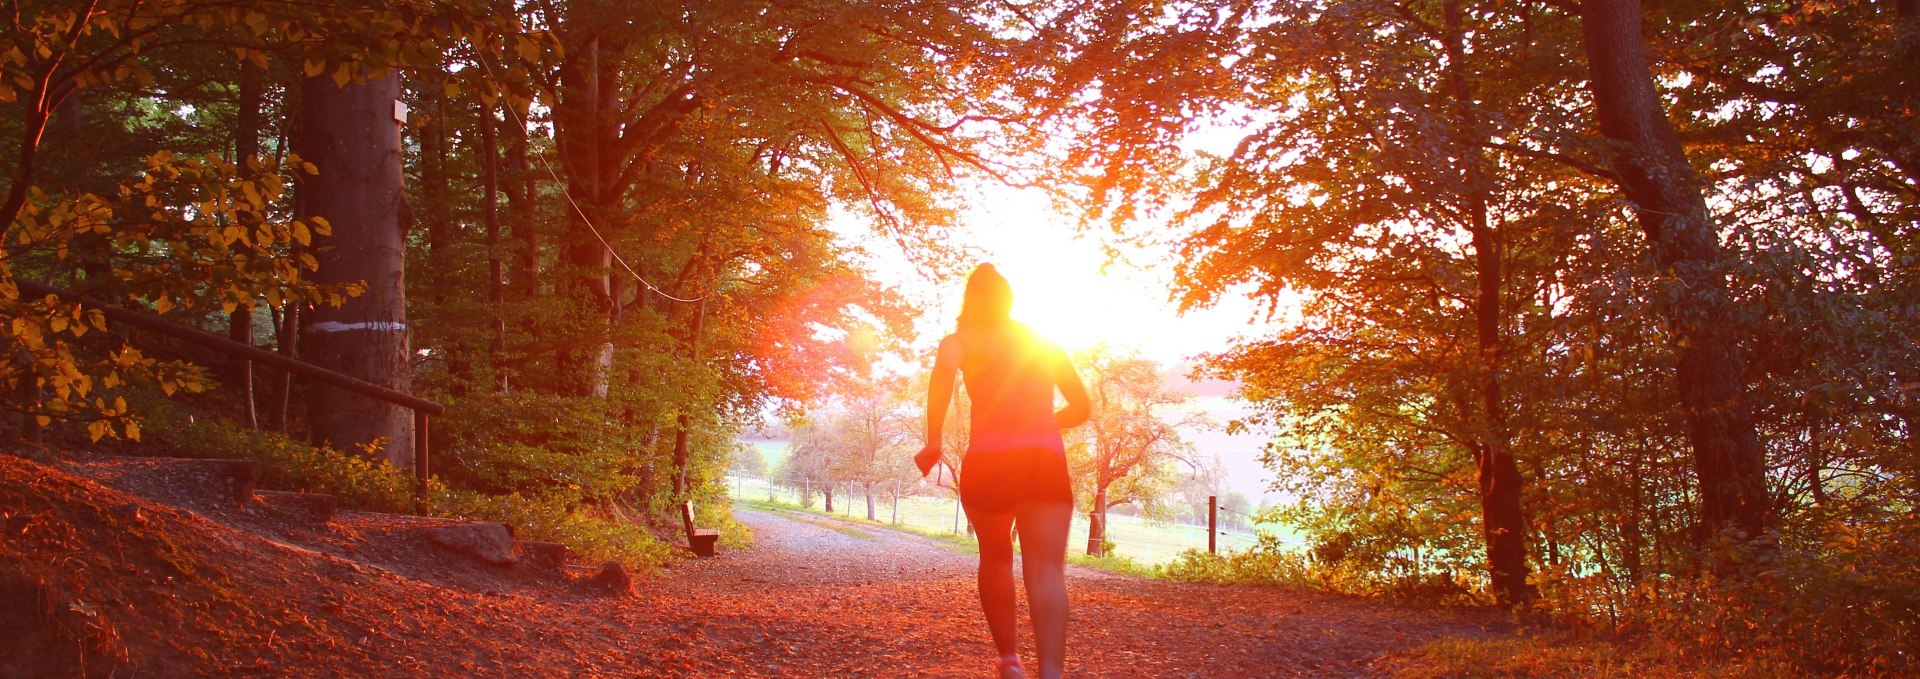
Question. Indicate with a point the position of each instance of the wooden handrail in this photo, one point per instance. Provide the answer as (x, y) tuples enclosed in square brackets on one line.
[(422, 408), (209, 340)]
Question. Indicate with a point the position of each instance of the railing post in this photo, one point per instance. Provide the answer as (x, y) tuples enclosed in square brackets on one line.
[(422, 451), (1213, 524)]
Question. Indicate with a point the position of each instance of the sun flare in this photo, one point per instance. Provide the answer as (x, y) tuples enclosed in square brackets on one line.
[(1059, 288), (1065, 289)]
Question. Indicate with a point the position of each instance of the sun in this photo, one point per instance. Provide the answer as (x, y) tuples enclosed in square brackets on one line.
[(1074, 307), (1064, 287), (1061, 287)]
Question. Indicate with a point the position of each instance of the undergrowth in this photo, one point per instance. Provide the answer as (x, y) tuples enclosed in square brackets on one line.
[(1836, 600), (1116, 563), (361, 483)]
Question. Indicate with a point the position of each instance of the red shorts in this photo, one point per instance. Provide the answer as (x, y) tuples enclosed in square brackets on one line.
[(1000, 481)]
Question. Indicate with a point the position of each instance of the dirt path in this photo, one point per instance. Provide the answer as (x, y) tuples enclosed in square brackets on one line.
[(820, 596), (158, 575)]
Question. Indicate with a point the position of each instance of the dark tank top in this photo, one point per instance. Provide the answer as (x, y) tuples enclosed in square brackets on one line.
[(1008, 373)]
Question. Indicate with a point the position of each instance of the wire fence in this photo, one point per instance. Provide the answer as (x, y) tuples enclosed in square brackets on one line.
[(935, 510)]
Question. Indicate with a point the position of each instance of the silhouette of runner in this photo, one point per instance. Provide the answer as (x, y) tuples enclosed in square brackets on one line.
[(1014, 472)]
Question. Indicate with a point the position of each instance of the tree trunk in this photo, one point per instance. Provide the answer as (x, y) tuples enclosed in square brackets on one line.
[(829, 493), (1097, 524), (682, 454), (286, 320), (437, 215), (285, 325), (246, 147), (1503, 519), (585, 131), (870, 503), (490, 206), (1654, 175), (350, 134), (524, 212)]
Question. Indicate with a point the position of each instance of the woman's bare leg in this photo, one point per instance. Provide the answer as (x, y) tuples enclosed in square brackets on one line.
[(1043, 563), (995, 532)]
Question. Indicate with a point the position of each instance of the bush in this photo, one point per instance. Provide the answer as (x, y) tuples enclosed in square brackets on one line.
[(1117, 564), (554, 520), (1849, 604), (376, 486), (1845, 599), (535, 444), (358, 481), (1266, 563)]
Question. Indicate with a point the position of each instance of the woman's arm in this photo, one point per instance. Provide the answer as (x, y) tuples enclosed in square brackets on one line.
[(939, 396), (1068, 380)]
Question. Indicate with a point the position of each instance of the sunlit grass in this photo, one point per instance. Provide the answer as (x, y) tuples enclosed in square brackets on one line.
[(1146, 543)]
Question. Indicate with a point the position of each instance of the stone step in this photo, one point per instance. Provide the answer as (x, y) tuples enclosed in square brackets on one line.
[(543, 554), (243, 476), (318, 506), (483, 540)]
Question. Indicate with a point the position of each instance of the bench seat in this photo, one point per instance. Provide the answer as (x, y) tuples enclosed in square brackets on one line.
[(701, 540)]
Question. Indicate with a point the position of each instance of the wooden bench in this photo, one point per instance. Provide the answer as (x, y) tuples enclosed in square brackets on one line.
[(700, 539)]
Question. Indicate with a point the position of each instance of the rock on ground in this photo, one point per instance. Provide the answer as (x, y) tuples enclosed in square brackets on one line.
[(489, 542)]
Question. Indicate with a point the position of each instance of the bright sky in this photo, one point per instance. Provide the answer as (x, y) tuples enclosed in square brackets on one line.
[(1063, 287)]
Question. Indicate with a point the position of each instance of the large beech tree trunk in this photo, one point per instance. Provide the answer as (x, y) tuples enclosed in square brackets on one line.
[(350, 134), (1503, 518), (585, 129), (1654, 175)]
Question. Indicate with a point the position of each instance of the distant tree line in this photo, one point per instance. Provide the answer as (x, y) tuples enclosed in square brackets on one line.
[(1132, 453)]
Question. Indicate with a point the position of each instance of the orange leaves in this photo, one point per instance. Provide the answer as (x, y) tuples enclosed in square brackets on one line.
[(203, 232)]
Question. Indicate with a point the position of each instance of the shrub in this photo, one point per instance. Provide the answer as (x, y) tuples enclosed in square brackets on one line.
[(1843, 600), (362, 483), (1265, 563), (1848, 604), (358, 481), (1117, 564), (535, 444), (555, 520)]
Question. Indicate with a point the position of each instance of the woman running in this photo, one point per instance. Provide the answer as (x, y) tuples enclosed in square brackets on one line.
[(1015, 469)]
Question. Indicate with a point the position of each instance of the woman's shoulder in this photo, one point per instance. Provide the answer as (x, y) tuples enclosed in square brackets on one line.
[(1013, 335)]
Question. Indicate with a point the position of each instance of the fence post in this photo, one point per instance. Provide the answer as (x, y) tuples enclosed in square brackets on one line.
[(1213, 524), (421, 454)]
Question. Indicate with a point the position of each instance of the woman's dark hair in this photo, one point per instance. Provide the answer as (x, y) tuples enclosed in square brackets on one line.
[(989, 299)]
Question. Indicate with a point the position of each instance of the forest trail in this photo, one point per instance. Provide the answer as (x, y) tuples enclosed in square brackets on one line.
[(818, 595), (131, 565)]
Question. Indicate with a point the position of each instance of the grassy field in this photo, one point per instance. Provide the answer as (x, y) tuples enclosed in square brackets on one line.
[(774, 452), (1146, 542)]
